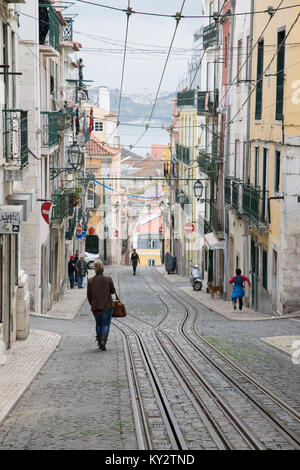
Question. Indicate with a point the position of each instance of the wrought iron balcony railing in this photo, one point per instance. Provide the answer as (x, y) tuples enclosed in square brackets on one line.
[(183, 154), (206, 164), (65, 120), (216, 218), (49, 128), (15, 137), (211, 35), (255, 205), (49, 26), (207, 102), (61, 206), (68, 29), (186, 98)]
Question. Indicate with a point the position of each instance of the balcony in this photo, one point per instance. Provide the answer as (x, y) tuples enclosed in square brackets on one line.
[(216, 219), (207, 102), (255, 207), (49, 26), (61, 206), (183, 154), (68, 29), (49, 128), (206, 164), (187, 98), (15, 137), (211, 35), (65, 121)]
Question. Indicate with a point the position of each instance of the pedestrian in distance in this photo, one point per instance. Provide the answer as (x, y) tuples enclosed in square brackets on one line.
[(76, 259), (134, 260), (238, 292), (71, 270), (99, 293), (81, 268)]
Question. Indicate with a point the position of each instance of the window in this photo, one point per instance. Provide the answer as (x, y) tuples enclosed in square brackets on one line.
[(98, 126), (247, 59), (151, 243), (256, 166), (237, 159), (277, 172), (239, 59), (259, 79), (280, 74), (264, 182), (151, 262), (265, 269)]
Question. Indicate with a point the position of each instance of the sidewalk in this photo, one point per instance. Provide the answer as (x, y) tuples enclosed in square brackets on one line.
[(26, 358), (284, 344)]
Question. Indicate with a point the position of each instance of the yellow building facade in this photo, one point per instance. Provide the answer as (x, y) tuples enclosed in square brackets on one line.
[(271, 197), (186, 157)]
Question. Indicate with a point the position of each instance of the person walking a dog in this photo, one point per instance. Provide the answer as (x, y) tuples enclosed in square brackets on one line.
[(238, 292)]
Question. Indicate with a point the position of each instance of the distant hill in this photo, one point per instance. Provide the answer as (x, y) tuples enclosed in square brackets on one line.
[(138, 108)]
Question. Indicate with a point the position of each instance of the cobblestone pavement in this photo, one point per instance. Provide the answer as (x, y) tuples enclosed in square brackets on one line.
[(80, 399)]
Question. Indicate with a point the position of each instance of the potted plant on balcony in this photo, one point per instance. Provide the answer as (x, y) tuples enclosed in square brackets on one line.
[(76, 195)]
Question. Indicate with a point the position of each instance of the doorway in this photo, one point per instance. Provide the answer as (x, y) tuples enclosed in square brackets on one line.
[(254, 274)]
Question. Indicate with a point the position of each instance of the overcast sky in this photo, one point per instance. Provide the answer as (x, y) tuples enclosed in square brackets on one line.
[(143, 72)]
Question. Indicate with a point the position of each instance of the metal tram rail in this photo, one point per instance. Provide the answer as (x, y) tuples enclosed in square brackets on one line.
[(288, 433), (173, 428), (176, 438)]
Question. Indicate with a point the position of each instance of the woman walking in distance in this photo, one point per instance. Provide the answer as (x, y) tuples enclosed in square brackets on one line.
[(99, 291), (238, 288)]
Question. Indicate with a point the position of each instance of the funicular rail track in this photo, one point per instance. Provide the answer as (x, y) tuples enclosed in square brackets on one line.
[(189, 377), (278, 413)]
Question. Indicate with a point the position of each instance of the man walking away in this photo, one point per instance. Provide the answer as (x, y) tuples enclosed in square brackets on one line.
[(134, 260), (238, 288), (81, 271), (71, 270)]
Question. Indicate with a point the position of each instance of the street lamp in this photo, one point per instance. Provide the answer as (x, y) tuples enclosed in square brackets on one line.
[(181, 198), (75, 156), (198, 189)]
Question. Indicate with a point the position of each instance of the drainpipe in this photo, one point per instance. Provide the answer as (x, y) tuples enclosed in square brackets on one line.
[(226, 159), (247, 162)]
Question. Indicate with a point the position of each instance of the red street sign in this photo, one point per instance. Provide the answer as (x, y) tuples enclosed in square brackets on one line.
[(79, 229), (161, 229), (46, 210), (116, 233), (189, 227)]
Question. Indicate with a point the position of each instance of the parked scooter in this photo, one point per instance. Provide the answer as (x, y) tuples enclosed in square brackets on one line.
[(195, 278)]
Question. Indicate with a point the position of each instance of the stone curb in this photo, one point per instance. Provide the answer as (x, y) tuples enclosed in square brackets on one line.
[(24, 360), (67, 307)]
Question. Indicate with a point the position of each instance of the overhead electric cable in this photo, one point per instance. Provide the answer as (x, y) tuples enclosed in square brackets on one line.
[(178, 18)]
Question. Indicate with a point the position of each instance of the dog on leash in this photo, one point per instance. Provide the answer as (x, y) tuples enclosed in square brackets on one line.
[(214, 289)]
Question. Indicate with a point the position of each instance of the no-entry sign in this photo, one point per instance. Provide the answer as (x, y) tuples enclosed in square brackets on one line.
[(189, 227)]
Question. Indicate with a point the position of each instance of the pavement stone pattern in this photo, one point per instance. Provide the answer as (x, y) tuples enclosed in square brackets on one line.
[(225, 308), (80, 399), (67, 307), (23, 362), (79, 396)]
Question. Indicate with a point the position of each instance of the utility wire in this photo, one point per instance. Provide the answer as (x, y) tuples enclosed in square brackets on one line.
[(164, 15), (178, 18)]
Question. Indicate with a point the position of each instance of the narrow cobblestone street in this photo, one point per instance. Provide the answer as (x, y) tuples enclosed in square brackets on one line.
[(81, 397)]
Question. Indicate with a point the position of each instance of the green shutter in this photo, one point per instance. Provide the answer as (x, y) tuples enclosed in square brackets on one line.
[(259, 78), (280, 75)]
